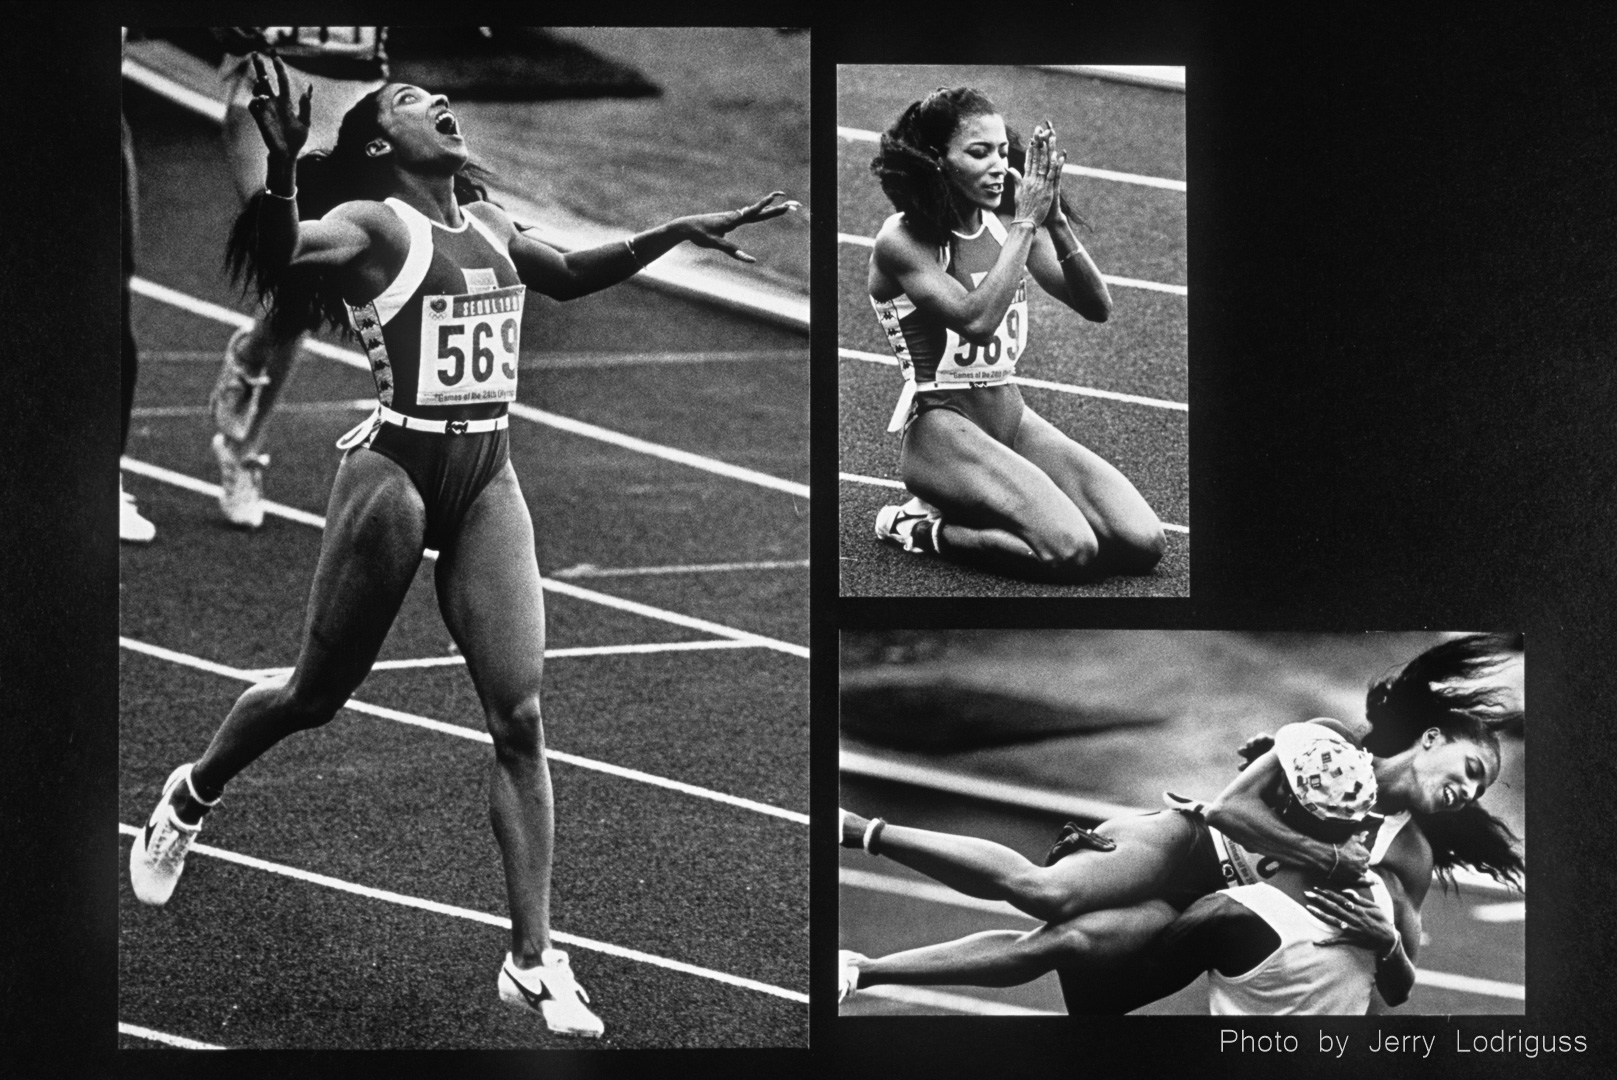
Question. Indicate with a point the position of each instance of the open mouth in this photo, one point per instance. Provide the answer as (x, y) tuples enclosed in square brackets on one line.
[(1450, 800), (446, 124)]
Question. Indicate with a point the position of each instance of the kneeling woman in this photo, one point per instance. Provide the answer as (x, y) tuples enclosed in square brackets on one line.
[(396, 239), (996, 484)]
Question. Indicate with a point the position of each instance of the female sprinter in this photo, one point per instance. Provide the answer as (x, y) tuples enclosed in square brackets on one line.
[(995, 483), (1106, 895), (395, 235)]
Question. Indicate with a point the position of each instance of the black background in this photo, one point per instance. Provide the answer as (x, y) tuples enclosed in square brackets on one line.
[(1402, 376)]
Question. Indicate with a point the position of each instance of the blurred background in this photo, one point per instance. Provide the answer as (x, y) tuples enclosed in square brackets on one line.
[(1006, 734)]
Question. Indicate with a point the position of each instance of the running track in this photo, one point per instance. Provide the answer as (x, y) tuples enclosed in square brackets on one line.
[(348, 893)]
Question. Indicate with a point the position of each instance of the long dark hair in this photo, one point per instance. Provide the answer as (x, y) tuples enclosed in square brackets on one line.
[(1437, 689), (1405, 703), (301, 298), (909, 164)]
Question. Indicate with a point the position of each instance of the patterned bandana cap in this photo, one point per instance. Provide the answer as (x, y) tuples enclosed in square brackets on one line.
[(1333, 780)]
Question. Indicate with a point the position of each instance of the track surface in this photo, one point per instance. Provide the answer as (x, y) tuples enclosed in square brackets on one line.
[(248, 956), (1139, 233), (1193, 697)]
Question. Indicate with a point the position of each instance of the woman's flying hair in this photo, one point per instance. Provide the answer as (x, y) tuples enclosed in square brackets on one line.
[(301, 298), (909, 164)]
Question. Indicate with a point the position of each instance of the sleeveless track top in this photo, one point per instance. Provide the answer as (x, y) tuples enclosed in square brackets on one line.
[(1300, 977), (447, 332), (931, 356)]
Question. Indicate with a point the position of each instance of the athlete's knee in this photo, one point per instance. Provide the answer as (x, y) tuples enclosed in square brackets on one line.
[(518, 730), (305, 703), (1139, 550)]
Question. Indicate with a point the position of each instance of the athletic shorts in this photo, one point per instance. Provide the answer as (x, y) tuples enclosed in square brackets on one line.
[(1195, 868), (450, 471), (995, 409)]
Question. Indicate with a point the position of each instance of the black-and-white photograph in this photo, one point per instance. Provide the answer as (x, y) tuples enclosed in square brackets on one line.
[(1182, 822), (1012, 331), (452, 357)]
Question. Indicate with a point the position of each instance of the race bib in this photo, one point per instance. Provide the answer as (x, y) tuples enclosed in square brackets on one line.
[(470, 346), (993, 361)]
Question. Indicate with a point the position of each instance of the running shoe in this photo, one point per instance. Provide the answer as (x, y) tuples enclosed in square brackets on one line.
[(913, 526), (552, 992), (847, 976), (133, 528), (241, 484), (235, 392), (157, 857)]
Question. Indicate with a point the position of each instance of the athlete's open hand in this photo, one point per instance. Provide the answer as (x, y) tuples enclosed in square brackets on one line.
[(1358, 921), (1040, 181), (285, 129), (709, 230)]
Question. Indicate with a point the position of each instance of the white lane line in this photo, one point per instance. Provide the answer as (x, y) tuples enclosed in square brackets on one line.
[(154, 412), (1507, 911), (639, 649), (1042, 800), (1468, 984), (1039, 384), (546, 360), (202, 487), (161, 84), (137, 1032), (877, 481), (197, 306), (688, 621), (475, 735), (1110, 279), (873, 481), (657, 450), (860, 135), (928, 892), (588, 570), (927, 998), (420, 904)]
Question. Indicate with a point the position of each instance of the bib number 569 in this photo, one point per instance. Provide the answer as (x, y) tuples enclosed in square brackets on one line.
[(482, 355)]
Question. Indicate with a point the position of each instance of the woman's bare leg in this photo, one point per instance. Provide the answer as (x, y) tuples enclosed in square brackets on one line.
[(1138, 869), (375, 525), (1126, 529), (999, 509), (489, 591)]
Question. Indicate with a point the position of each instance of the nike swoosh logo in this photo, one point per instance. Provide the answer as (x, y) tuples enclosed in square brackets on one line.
[(531, 997)]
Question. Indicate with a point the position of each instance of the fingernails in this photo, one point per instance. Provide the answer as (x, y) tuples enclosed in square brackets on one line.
[(744, 257)]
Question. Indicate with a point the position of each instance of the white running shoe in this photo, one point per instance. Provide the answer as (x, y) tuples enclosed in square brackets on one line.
[(157, 857), (241, 484), (133, 528), (847, 976), (912, 526), (551, 991)]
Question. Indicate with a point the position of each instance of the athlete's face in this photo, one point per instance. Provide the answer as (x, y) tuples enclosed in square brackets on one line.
[(1451, 773), (420, 129), (978, 161)]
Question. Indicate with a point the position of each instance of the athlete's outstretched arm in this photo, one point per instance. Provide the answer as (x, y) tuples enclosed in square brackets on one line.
[(579, 273)]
